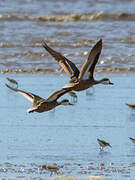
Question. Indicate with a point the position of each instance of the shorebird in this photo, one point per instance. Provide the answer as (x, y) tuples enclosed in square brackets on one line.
[(131, 105), (13, 81), (41, 105), (80, 79), (103, 144), (54, 168), (132, 139)]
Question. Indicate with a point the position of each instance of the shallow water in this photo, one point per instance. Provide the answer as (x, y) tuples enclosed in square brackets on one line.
[(70, 27), (68, 135)]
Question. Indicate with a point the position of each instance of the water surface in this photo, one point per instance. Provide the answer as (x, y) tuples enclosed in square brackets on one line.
[(70, 27), (68, 135)]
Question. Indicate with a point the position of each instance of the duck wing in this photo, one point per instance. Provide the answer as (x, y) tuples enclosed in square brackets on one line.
[(87, 69), (69, 67), (30, 96), (57, 94)]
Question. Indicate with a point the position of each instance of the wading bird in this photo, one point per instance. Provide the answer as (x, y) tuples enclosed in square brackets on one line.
[(103, 144), (54, 168)]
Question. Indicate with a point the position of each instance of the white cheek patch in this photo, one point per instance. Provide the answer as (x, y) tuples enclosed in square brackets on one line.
[(105, 82)]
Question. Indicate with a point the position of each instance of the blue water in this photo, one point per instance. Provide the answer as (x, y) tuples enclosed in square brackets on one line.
[(68, 135), (25, 23)]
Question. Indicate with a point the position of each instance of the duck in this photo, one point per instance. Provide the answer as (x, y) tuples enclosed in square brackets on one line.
[(103, 144), (84, 78), (40, 104)]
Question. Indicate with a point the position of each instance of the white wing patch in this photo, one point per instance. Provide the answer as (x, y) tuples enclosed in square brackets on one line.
[(32, 109), (27, 95), (69, 85), (86, 75)]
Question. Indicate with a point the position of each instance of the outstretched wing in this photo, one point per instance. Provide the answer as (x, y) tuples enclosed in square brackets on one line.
[(57, 94), (69, 67), (31, 97), (88, 67)]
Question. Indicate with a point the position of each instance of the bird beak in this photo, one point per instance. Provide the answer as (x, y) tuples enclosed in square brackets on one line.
[(111, 83), (70, 104)]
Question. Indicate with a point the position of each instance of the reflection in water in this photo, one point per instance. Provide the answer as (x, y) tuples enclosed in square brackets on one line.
[(104, 154), (90, 91), (73, 96), (52, 113), (131, 116)]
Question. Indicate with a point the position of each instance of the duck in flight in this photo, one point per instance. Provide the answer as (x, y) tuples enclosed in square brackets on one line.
[(84, 78), (41, 105)]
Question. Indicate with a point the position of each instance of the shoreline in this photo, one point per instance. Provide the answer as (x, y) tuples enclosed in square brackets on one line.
[(48, 71)]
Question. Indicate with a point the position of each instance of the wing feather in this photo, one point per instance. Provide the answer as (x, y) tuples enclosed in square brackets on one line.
[(69, 67), (57, 94), (88, 67), (30, 96)]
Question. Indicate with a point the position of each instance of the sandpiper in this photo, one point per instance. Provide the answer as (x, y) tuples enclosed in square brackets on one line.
[(54, 168), (103, 144)]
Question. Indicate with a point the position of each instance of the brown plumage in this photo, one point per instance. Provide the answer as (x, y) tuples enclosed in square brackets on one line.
[(80, 79), (132, 139), (40, 104), (53, 168), (131, 105), (103, 143)]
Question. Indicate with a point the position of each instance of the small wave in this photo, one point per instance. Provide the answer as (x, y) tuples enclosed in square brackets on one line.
[(97, 16), (29, 53), (29, 71), (44, 71)]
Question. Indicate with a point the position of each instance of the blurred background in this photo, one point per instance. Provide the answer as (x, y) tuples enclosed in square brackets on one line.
[(71, 27)]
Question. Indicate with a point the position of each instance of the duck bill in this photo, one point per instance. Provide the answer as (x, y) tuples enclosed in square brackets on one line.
[(70, 104), (111, 83)]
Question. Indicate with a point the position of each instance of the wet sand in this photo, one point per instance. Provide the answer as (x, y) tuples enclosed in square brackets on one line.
[(68, 136)]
